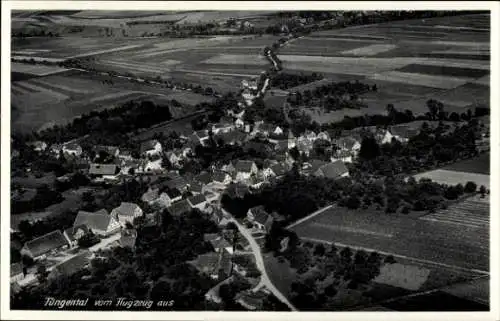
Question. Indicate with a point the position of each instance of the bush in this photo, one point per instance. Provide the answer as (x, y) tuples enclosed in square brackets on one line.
[(390, 259), (470, 187)]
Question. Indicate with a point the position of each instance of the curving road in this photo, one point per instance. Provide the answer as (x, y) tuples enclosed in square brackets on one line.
[(264, 280)]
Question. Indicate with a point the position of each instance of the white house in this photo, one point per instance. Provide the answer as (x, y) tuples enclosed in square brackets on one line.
[(126, 212), (169, 197), (151, 148), (245, 169), (72, 149)]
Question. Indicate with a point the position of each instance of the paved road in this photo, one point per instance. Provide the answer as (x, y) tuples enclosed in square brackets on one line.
[(264, 281)]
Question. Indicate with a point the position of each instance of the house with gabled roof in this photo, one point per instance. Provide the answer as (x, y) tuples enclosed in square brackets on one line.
[(217, 265), (221, 178), (74, 233), (104, 172), (179, 208), (126, 212), (198, 201), (100, 222), (44, 245), (403, 132), (218, 242), (151, 147), (260, 218), (213, 294), (279, 169), (245, 169), (332, 170)]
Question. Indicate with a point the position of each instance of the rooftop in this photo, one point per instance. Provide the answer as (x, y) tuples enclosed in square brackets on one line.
[(94, 220), (46, 243)]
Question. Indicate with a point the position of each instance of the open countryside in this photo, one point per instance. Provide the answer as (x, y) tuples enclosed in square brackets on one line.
[(251, 160)]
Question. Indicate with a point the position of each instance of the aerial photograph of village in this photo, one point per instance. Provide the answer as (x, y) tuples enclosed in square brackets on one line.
[(249, 160)]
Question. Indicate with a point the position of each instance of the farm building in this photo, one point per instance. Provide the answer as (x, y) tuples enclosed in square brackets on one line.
[(179, 208), (198, 201), (260, 218), (71, 266), (128, 237), (245, 169), (332, 170), (217, 266), (104, 171), (151, 147), (44, 245), (100, 222), (126, 212)]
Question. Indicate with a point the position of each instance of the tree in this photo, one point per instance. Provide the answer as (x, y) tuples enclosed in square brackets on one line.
[(88, 240), (482, 190), (319, 250), (369, 148), (470, 187), (42, 273)]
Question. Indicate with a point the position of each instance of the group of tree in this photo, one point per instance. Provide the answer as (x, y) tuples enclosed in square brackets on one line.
[(284, 80), (44, 196), (333, 96), (430, 148), (116, 122)]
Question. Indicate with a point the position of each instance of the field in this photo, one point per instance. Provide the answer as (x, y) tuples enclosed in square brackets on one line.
[(58, 98), (477, 165), (453, 177), (410, 61), (449, 245)]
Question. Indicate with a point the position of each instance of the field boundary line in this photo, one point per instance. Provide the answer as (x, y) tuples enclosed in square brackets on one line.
[(309, 216), (459, 268)]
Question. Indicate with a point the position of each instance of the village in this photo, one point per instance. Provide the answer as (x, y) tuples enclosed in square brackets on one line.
[(200, 199)]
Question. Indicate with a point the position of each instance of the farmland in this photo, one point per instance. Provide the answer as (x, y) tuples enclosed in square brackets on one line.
[(410, 61), (462, 247), (74, 93), (453, 177)]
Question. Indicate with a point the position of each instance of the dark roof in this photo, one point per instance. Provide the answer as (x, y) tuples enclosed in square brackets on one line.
[(15, 269), (260, 214), (244, 166), (74, 264), (346, 142), (197, 199), (97, 220), (211, 262), (232, 136), (195, 186), (70, 232), (173, 193), (179, 208), (316, 164), (173, 183), (334, 169), (210, 236), (103, 169), (219, 176), (279, 169), (204, 178), (126, 209), (148, 145), (46, 243), (72, 146)]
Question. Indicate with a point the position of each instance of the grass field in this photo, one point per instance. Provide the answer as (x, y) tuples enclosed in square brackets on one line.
[(453, 177), (458, 246)]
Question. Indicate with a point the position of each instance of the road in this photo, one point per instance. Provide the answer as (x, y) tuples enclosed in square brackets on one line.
[(264, 281), (309, 216)]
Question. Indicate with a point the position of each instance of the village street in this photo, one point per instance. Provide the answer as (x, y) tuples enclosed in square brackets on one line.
[(265, 281)]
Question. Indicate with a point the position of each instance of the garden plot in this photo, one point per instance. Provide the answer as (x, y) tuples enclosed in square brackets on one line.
[(45, 91), (237, 59), (435, 81), (369, 50), (409, 277)]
